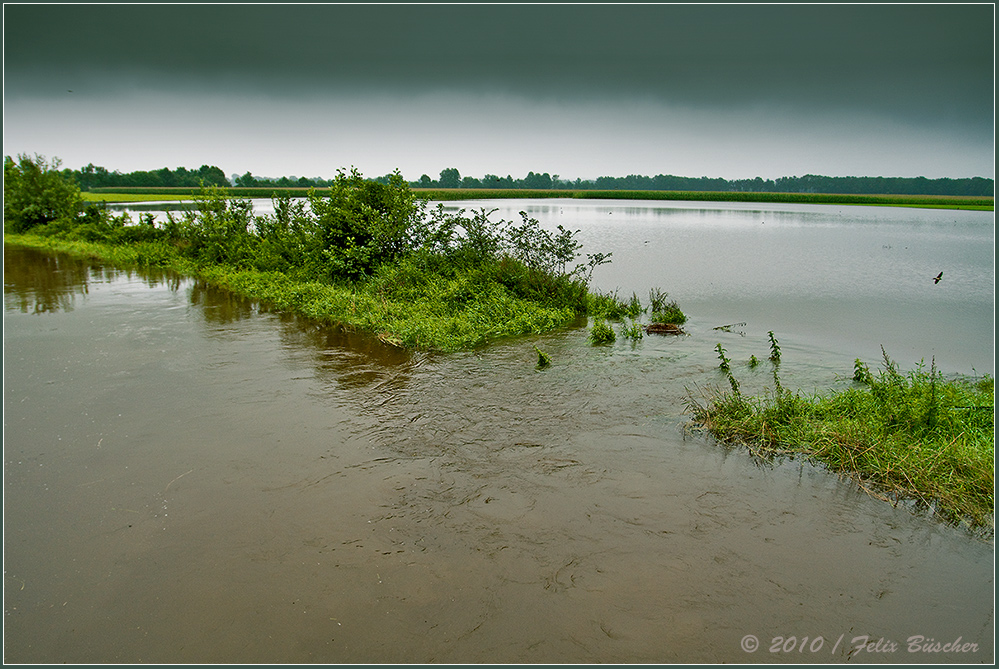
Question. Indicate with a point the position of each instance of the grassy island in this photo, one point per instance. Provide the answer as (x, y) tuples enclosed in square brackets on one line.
[(362, 254)]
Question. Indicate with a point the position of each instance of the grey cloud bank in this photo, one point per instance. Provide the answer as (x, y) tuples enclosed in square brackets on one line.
[(734, 91)]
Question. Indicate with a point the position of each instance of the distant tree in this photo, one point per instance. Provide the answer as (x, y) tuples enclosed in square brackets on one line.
[(539, 181), (212, 176), (450, 178), (247, 181), (426, 182)]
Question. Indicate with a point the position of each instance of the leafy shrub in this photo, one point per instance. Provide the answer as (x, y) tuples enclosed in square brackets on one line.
[(35, 193), (541, 249), (220, 232), (361, 224)]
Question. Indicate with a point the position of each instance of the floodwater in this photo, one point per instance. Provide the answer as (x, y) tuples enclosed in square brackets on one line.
[(191, 478)]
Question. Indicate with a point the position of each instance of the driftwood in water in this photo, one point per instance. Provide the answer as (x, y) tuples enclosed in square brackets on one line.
[(663, 328)]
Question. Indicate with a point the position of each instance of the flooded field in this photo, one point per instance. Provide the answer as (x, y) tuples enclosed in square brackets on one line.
[(190, 478)]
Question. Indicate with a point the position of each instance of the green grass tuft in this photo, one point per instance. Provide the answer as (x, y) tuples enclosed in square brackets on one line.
[(601, 333)]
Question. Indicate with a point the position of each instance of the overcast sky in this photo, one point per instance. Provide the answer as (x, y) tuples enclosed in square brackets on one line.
[(733, 91)]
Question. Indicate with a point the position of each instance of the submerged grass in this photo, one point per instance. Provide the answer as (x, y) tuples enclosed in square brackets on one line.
[(913, 436), (434, 311)]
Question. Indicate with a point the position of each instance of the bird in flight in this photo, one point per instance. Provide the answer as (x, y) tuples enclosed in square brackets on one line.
[(937, 278)]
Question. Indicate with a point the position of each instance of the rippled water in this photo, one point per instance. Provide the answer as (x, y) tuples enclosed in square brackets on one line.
[(189, 478)]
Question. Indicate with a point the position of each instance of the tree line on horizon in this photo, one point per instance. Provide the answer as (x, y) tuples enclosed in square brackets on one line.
[(91, 177), (810, 183)]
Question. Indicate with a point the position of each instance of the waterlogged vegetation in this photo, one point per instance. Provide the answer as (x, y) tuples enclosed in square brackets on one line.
[(913, 436), (665, 315), (364, 254)]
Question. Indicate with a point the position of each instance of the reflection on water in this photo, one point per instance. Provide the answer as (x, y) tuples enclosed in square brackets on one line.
[(42, 283), (191, 478), (38, 282)]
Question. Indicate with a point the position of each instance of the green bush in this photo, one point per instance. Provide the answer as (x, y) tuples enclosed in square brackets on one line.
[(35, 193), (361, 224)]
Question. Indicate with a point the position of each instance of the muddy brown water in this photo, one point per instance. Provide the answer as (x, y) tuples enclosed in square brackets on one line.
[(189, 478)]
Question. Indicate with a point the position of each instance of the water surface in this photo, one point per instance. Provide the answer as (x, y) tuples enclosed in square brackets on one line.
[(190, 478)]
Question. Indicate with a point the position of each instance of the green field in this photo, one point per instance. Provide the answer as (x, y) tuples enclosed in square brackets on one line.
[(452, 194), (136, 197)]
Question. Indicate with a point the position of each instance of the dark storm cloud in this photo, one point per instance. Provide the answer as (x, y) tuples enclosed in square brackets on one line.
[(913, 62)]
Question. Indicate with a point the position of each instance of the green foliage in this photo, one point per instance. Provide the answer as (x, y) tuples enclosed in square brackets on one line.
[(450, 178), (663, 309), (361, 224), (633, 331), (635, 308), (671, 313), (482, 239), (754, 362), (657, 300), (601, 333), (861, 373), (544, 360), (608, 306), (93, 177), (774, 348), (220, 231), (36, 194), (593, 260), (539, 248), (726, 367)]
